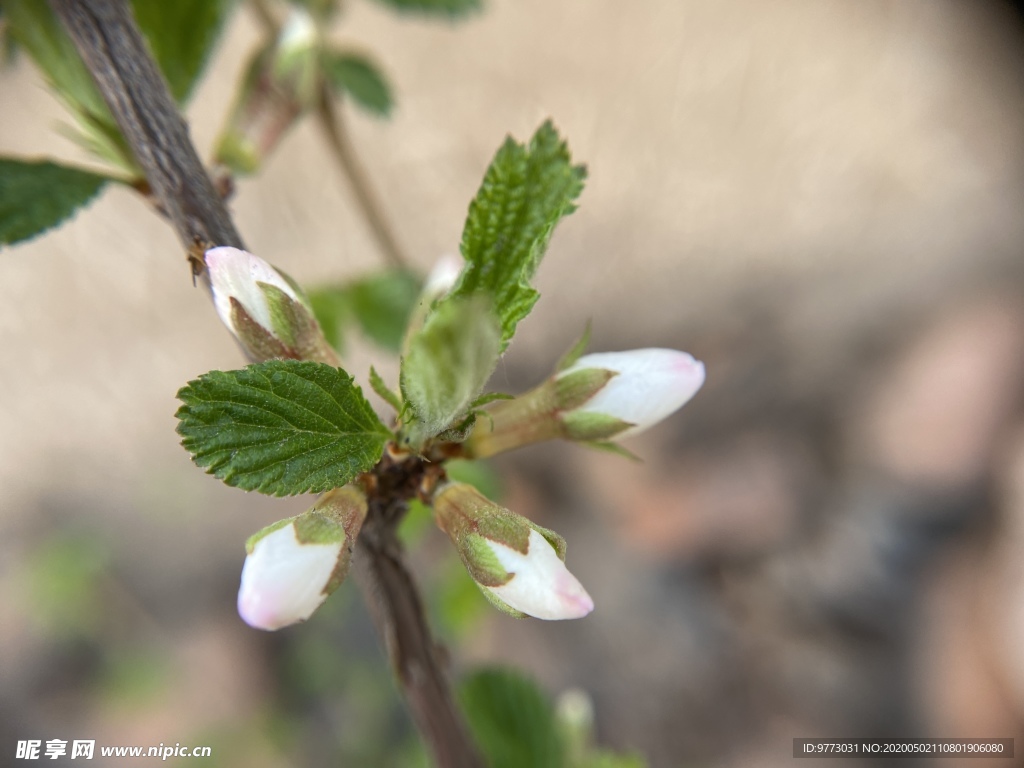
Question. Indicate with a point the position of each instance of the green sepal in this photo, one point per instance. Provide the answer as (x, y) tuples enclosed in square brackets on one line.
[(609, 447), (590, 426), (574, 389), (498, 603), (314, 527), (481, 562), (575, 352), (258, 341), (556, 541), (448, 362), (250, 543), (384, 391)]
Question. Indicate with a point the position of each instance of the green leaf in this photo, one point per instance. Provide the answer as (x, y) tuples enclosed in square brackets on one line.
[(449, 8), (524, 194), (282, 427), (360, 78), (35, 196), (511, 719), (449, 361), (380, 303), (384, 391), (181, 34)]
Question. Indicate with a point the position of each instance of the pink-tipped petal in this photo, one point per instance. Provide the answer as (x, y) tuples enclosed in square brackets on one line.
[(651, 384), (541, 586), (235, 274), (283, 581)]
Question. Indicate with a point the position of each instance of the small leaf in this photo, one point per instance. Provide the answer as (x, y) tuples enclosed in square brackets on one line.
[(382, 304), (450, 8), (282, 427), (575, 352), (384, 391), (512, 720), (525, 193), (181, 34), (449, 361), (35, 196), (491, 397), (360, 78), (609, 447)]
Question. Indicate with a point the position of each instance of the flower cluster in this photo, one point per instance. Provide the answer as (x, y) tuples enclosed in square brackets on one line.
[(293, 565)]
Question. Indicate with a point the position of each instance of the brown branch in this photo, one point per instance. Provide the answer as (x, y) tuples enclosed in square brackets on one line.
[(109, 42)]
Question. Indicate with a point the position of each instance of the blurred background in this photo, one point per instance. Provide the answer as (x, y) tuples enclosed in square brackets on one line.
[(820, 199)]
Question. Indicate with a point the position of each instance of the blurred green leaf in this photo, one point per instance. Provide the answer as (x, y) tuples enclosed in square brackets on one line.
[(448, 362), (526, 191), (35, 196), (361, 79), (479, 474), (512, 720), (602, 758), (282, 427), (458, 602), (380, 303), (181, 34), (449, 8), (135, 679), (64, 583)]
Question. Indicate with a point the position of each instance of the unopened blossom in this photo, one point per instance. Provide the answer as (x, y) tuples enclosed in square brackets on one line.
[(648, 385), (293, 565), (519, 565), (263, 308)]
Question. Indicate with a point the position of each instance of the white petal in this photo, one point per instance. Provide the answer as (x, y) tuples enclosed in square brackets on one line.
[(652, 383), (443, 276), (283, 581), (234, 274), (541, 585)]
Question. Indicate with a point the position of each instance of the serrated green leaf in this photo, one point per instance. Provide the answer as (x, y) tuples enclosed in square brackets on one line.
[(35, 196), (524, 194), (181, 34), (449, 361), (449, 8), (361, 79), (511, 719), (282, 427)]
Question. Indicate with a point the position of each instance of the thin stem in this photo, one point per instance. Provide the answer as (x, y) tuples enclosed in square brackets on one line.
[(114, 51), (345, 155)]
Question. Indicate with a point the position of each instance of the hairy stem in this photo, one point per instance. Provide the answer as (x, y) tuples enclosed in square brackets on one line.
[(116, 54)]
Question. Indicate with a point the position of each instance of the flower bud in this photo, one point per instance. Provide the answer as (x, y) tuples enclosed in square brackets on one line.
[(264, 308), (648, 385), (518, 565), (294, 564)]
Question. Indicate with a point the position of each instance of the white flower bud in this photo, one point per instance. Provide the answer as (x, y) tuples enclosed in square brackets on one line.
[(518, 565), (237, 274), (540, 584), (649, 385), (293, 565), (443, 276)]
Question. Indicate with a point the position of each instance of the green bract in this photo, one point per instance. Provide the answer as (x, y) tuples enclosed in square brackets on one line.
[(282, 427), (361, 79)]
